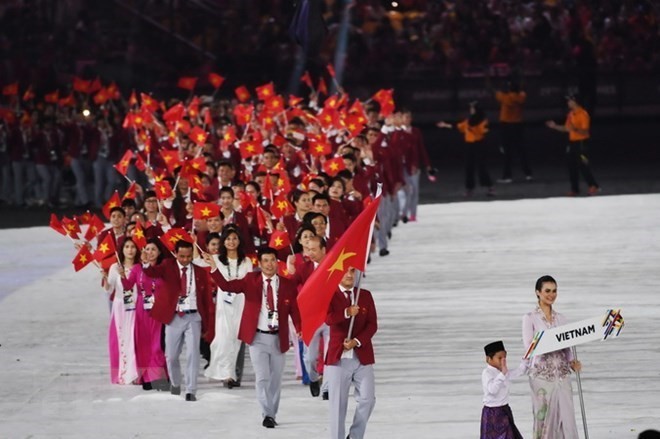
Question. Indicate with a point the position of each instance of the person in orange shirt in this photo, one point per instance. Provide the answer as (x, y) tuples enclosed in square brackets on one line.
[(474, 130), (577, 125), (511, 129)]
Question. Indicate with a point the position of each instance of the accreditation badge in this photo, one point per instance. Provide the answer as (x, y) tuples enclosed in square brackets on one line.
[(129, 300), (273, 320), (148, 302)]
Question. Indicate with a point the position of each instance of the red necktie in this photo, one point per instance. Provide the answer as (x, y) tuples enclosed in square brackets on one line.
[(269, 296), (184, 285)]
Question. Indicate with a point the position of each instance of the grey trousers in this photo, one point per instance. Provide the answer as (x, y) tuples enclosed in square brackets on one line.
[(79, 168), (409, 195), (186, 328), (385, 219), (340, 376), (311, 353), (268, 365)]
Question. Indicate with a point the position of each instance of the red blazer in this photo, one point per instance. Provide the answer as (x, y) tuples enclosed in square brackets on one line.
[(364, 328), (168, 297), (252, 286)]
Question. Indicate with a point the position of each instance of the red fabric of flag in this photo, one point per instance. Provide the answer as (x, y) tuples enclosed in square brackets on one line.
[(139, 238), (170, 238), (281, 206), (202, 211), (114, 201), (71, 227), (198, 136), (307, 79), (80, 85), (83, 258), (279, 240), (266, 91), (216, 80), (56, 225), (187, 83), (163, 190), (122, 165), (10, 90), (52, 98), (106, 248), (351, 250), (131, 192), (29, 94), (331, 70), (333, 166), (242, 93)]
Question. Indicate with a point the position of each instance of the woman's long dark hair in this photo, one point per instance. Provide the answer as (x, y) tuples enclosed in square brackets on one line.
[(222, 254), (120, 253), (297, 246)]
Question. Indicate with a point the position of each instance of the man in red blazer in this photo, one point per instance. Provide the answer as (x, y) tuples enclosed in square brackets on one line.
[(269, 301), (183, 306), (350, 357)]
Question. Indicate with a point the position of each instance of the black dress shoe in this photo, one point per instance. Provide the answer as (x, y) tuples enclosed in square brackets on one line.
[(175, 390), (315, 388), (326, 396), (268, 422), (147, 386), (190, 397), (384, 252)]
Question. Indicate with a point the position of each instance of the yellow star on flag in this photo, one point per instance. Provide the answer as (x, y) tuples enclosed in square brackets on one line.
[(163, 190), (124, 163), (139, 234), (339, 263), (71, 227), (249, 148), (278, 241), (334, 166), (281, 205), (103, 248), (200, 137), (319, 148), (112, 205), (206, 211), (173, 239), (83, 259), (178, 237)]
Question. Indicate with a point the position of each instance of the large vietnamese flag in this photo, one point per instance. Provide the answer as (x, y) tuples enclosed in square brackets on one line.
[(352, 250)]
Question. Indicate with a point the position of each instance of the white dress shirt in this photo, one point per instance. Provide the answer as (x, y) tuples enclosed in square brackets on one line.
[(262, 324), (190, 302), (496, 385)]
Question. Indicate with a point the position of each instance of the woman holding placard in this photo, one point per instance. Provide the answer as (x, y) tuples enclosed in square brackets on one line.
[(550, 374)]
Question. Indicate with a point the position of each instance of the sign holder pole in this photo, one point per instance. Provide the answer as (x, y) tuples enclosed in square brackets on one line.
[(579, 383)]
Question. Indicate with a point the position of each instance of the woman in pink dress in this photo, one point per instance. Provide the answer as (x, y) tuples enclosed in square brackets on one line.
[(121, 343), (150, 359)]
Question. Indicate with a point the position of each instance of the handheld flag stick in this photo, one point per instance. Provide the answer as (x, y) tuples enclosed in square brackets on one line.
[(357, 297), (579, 383)]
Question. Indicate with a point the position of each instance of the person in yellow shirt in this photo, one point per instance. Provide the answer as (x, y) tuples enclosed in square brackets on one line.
[(474, 130), (511, 101), (577, 125)]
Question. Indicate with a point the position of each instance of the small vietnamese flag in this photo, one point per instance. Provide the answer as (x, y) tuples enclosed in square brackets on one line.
[(193, 107), (81, 85), (208, 119), (138, 236), (331, 70), (96, 85), (122, 165), (242, 93), (106, 248), (163, 190), (52, 98), (266, 91), (250, 149), (113, 202), (29, 94), (243, 114), (56, 225), (275, 104), (174, 113), (230, 134), (113, 91), (333, 166), (96, 226), (170, 238), (131, 192), (198, 136), (139, 163), (294, 100), (71, 227), (322, 88), (307, 79), (101, 97), (68, 101), (281, 206), (318, 145), (205, 210), (149, 103), (171, 158), (132, 100), (10, 90), (83, 258), (282, 270), (279, 240), (187, 83), (216, 80)]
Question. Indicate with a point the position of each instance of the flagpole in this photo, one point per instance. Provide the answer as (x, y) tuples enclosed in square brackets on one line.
[(357, 297), (579, 383)]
